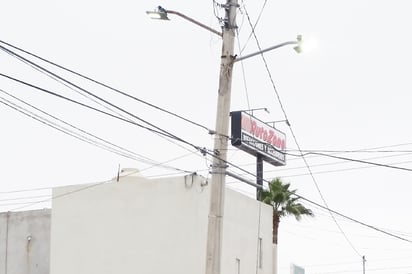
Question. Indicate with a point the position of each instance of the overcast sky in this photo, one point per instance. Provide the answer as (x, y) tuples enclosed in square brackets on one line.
[(353, 92)]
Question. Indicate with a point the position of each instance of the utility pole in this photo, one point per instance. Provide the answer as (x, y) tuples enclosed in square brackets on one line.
[(218, 184), (219, 164)]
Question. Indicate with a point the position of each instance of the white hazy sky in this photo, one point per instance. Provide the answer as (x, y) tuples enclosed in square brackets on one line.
[(352, 93)]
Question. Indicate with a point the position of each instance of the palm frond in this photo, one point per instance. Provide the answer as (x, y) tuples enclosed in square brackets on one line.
[(283, 201)]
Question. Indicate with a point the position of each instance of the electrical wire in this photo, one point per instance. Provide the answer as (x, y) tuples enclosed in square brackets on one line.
[(24, 203), (181, 140), (111, 87), (89, 186), (369, 270), (51, 187), (330, 210), (106, 113), (254, 25), (353, 220), (119, 150), (294, 136), (73, 134), (294, 194), (94, 81), (52, 125), (71, 85), (358, 161), (349, 151), (23, 198), (336, 170), (25, 190), (344, 161), (359, 150), (243, 75), (132, 156), (92, 108), (89, 93), (339, 215), (48, 74), (281, 169)]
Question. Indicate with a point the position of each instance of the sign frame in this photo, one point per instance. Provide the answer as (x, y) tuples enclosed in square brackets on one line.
[(258, 138)]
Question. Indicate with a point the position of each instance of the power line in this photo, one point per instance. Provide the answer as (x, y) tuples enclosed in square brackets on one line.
[(25, 190), (335, 170), (254, 25), (106, 113), (61, 79), (24, 203), (120, 152), (361, 150), (320, 206), (89, 107), (52, 76), (97, 82), (92, 80), (23, 198), (196, 147), (243, 75), (82, 138), (330, 164), (293, 134), (73, 134), (309, 151), (354, 220), (51, 187), (369, 269), (89, 93), (358, 161), (331, 211), (89, 186), (50, 124), (353, 262), (299, 196)]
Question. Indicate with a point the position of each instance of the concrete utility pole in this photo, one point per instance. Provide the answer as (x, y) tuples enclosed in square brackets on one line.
[(219, 165), (217, 194)]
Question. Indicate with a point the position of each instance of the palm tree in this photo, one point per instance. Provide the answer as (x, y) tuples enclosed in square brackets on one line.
[(284, 203)]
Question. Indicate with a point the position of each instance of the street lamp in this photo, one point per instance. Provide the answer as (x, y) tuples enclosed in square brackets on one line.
[(298, 48), (161, 13), (219, 164)]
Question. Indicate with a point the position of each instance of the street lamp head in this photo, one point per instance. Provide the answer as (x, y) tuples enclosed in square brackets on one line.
[(298, 47), (158, 13), (308, 45)]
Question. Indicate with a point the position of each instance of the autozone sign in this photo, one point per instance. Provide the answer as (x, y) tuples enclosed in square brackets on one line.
[(256, 137)]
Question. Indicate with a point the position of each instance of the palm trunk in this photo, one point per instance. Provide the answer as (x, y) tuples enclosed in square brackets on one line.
[(275, 228)]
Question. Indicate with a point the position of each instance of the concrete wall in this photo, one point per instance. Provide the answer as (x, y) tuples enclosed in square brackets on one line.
[(25, 242), (153, 226)]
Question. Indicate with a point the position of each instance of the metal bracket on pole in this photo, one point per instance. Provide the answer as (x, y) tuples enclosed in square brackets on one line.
[(243, 180)]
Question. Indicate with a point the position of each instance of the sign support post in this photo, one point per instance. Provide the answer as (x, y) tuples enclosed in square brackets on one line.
[(259, 175)]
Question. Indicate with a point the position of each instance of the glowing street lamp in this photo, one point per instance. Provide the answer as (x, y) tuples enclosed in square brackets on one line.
[(298, 48)]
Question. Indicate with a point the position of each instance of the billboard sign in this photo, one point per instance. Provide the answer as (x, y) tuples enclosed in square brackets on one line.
[(256, 137)]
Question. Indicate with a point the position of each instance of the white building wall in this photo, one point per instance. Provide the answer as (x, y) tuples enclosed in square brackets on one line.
[(25, 242), (151, 227)]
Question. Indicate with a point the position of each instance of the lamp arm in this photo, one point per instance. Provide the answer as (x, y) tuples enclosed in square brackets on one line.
[(265, 50), (194, 21)]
